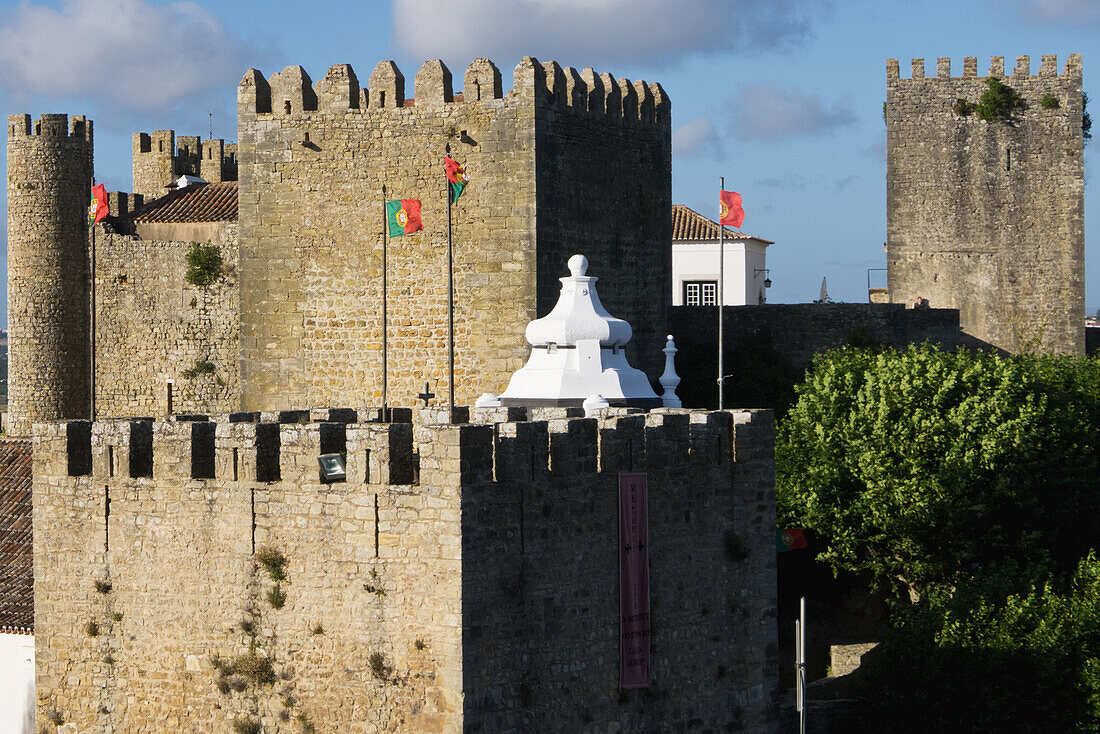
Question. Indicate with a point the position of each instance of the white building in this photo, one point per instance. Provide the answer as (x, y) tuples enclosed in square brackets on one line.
[(695, 263)]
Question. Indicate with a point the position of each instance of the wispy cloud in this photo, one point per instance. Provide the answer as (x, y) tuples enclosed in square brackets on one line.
[(786, 182), (598, 31), (132, 54), (842, 183), (1069, 13), (877, 149), (768, 112), (697, 138)]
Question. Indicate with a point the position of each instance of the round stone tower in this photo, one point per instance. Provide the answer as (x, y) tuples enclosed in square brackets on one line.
[(49, 189)]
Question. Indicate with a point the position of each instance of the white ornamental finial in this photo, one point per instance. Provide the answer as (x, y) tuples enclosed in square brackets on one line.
[(593, 404), (669, 380), (578, 266)]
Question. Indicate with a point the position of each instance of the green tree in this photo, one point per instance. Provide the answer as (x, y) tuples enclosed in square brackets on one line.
[(927, 469)]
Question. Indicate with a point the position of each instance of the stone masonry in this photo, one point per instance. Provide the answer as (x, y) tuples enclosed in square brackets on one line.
[(160, 158), (566, 162), (464, 578), (988, 217), (49, 182)]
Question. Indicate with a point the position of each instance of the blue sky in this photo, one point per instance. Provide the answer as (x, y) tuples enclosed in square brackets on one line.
[(782, 97)]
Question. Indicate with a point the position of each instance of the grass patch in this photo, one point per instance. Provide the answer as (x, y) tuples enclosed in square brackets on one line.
[(246, 725), (103, 586), (201, 367), (91, 629), (377, 662), (273, 561), (276, 597)]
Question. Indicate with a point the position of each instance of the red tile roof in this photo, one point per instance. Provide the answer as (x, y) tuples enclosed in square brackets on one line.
[(16, 550), (214, 202), (688, 224)]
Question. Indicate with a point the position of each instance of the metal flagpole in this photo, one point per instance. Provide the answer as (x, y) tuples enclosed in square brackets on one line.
[(721, 294), (385, 374), (450, 303), (800, 665), (91, 317)]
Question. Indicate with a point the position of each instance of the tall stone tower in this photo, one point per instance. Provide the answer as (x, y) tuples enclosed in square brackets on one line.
[(49, 183), (988, 216)]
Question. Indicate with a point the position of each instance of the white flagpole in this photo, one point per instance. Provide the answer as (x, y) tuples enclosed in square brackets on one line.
[(721, 295)]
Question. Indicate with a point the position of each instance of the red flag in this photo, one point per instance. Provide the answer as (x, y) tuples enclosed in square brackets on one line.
[(99, 207), (730, 206), (790, 539)]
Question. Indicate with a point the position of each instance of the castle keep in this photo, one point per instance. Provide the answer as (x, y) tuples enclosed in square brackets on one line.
[(988, 217)]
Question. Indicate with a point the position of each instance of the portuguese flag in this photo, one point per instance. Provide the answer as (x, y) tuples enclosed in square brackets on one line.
[(99, 208), (403, 216), (457, 177)]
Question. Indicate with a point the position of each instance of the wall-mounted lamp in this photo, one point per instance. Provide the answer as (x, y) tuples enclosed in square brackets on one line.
[(333, 468), (767, 280)]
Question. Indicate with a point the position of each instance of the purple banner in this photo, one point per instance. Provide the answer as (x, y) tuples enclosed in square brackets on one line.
[(633, 580)]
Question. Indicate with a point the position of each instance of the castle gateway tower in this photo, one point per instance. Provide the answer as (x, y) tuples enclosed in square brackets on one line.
[(987, 216), (49, 187), (565, 162)]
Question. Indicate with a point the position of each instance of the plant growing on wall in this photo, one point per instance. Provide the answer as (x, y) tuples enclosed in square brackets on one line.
[(204, 264), (201, 367), (999, 102), (1086, 119)]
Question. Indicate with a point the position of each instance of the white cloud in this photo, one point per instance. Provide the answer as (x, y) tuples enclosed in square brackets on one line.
[(768, 112), (133, 54), (697, 138), (1071, 13), (591, 32)]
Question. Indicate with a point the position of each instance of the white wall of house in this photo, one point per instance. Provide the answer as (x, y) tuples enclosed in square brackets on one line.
[(16, 683), (745, 263)]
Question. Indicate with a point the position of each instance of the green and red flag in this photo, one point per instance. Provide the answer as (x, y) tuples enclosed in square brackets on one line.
[(729, 203), (457, 177), (99, 208), (790, 539), (403, 217)]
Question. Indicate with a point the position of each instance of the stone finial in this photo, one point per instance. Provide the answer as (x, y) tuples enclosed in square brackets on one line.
[(576, 92), (555, 82), (339, 89), (292, 91), (629, 100), (645, 101), (1023, 67), (662, 105), (254, 93), (669, 379), (529, 76), (487, 400), (918, 68), (595, 91), (482, 81), (613, 99), (593, 404), (970, 67), (997, 66), (432, 85), (943, 67), (387, 86)]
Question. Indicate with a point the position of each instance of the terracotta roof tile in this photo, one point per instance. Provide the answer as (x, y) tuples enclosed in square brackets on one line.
[(213, 202), (16, 549), (688, 224)]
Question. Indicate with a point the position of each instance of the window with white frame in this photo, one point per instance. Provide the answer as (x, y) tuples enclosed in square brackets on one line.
[(700, 293)]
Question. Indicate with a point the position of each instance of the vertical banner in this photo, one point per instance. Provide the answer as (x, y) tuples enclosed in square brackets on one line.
[(633, 580)]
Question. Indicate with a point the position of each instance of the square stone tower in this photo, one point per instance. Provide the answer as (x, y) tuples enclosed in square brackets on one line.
[(567, 162), (988, 216)]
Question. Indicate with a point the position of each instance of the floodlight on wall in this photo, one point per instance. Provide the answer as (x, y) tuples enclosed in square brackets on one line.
[(767, 280), (333, 468)]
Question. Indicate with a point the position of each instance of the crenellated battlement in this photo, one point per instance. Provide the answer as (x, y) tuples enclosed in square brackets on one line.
[(50, 126), (161, 156), (293, 92), (1047, 69), (285, 446)]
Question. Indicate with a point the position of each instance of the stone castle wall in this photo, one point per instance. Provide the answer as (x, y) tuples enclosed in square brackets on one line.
[(49, 184), (152, 327), (463, 578), (159, 158), (988, 217), (313, 161)]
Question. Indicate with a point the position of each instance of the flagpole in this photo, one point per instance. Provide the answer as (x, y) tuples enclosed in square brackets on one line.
[(450, 303), (721, 294), (91, 317), (385, 385)]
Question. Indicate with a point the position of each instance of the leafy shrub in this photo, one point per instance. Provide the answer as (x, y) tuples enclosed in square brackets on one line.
[(962, 107), (999, 102), (1049, 102), (246, 725), (103, 587), (204, 264), (276, 597), (273, 561), (91, 629), (377, 662), (201, 367)]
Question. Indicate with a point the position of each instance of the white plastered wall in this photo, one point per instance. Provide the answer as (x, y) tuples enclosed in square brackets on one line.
[(745, 263), (17, 684)]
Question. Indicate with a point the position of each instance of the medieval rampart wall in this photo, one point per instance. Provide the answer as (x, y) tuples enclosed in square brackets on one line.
[(463, 577)]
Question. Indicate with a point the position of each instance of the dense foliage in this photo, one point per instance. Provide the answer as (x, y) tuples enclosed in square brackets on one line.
[(972, 482), (924, 468), (204, 264), (999, 102)]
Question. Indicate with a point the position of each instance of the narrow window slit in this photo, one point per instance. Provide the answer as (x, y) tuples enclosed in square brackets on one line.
[(376, 526), (366, 466), (235, 457)]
